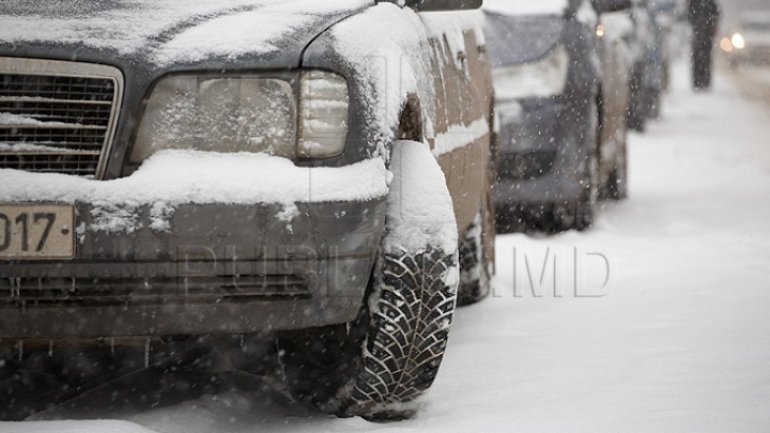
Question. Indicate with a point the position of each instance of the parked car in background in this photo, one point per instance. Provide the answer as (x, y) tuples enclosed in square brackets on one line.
[(666, 14), (616, 53), (750, 43), (557, 93), (648, 79), (315, 173)]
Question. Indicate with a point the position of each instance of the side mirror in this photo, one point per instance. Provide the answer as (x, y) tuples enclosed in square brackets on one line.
[(443, 5), (603, 6)]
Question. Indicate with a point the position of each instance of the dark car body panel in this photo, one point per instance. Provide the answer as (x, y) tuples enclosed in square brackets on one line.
[(543, 140), (240, 267)]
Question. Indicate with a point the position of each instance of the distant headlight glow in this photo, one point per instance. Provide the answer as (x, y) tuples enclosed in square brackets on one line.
[(738, 42), (726, 45)]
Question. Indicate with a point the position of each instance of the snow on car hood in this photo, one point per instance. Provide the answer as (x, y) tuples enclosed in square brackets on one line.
[(166, 31)]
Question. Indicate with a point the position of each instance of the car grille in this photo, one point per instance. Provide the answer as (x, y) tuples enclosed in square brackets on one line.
[(57, 117), (34, 292)]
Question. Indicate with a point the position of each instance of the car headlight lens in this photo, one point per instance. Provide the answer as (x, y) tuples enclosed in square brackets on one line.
[(545, 77), (216, 113), (323, 125), (246, 113)]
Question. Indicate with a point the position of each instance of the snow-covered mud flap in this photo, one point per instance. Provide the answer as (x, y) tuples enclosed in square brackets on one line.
[(378, 366)]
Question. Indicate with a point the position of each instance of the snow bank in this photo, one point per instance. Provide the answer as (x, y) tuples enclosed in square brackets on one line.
[(174, 177)]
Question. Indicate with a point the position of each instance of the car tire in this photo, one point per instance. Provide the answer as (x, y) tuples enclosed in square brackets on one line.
[(378, 365), (476, 265)]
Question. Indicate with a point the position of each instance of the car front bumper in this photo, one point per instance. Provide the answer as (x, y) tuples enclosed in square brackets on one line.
[(215, 268)]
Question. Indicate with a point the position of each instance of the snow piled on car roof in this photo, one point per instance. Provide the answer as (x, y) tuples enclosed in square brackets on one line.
[(526, 7), (167, 30)]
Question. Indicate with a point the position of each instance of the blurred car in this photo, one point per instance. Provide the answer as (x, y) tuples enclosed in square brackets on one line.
[(558, 111), (666, 16), (750, 43), (617, 51), (246, 169), (646, 76)]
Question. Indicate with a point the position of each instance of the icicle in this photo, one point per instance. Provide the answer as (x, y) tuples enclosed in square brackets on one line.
[(243, 343), (50, 348), (21, 349), (112, 345), (147, 353)]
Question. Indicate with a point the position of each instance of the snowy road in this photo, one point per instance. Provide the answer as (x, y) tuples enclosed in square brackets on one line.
[(677, 341)]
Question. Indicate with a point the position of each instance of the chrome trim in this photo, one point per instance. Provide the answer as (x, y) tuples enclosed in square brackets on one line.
[(58, 68)]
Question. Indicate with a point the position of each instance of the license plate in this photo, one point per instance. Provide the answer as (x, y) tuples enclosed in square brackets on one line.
[(32, 231)]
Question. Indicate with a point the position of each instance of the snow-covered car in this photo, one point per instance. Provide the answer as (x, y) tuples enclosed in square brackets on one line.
[(750, 43), (548, 84), (314, 172)]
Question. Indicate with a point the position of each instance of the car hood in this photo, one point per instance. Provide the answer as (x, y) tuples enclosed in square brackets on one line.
[(171, 32), (521, 39)]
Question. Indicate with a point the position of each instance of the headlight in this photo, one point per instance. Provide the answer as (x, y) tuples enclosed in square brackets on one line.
[(738, 42), (323, 125), (545, 77), (726, 45), (245, 113)]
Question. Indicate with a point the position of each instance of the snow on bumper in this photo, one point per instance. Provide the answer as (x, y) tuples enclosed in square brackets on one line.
[(175, 177), (195, 249)]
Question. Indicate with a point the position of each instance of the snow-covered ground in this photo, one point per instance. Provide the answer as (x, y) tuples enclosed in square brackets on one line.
[(678, 340)]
